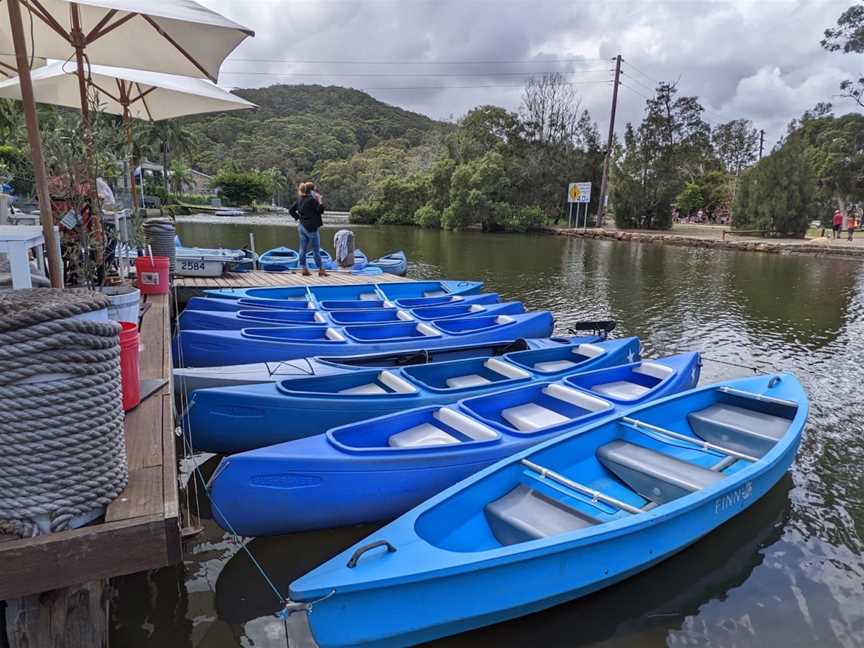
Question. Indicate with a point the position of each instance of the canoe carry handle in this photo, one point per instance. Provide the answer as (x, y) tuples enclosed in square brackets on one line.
[(352, 562), (598, 327)]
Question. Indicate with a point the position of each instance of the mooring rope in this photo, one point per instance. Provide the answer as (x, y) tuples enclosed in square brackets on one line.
[(64, 453)]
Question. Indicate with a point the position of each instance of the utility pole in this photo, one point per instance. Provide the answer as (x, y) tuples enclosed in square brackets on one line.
[(604, 183), (761, 141)]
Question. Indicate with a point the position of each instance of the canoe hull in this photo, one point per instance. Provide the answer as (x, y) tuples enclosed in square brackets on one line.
[(415, 613), (236, 419), (212, 348), (395, 263), (392, 291)]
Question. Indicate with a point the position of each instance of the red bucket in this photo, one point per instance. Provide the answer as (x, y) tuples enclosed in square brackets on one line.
[(130, 378), (152, 274)]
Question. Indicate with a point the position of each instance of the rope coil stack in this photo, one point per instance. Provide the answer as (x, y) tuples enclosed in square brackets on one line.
[(63, 452)]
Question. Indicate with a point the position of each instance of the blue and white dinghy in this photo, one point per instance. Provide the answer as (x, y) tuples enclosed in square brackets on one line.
[(358, 473), (381, 291), (233, 419), (561, 520)]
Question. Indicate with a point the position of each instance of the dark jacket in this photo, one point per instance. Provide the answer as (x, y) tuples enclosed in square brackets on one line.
[(308, 211)]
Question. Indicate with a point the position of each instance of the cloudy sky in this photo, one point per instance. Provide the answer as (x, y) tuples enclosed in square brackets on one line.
[(757, 59)]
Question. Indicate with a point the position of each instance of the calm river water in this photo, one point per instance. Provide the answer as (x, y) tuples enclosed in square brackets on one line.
[(787, 572)]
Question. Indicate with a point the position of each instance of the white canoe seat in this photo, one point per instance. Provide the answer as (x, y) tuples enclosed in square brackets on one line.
[(369, 389), (524, 514), (465, 425), (336, 336), (531, 416), (589, 350), (434, 293), (504, 319), (621, 390), (425, 329), (471, 380), (655, 476), (404, 315), (576, 397), (505, 369), (476, 308), (320, 319), (369, 296), (421, 436), (654, 370), (552, 366), (749, 431), (391, 384)]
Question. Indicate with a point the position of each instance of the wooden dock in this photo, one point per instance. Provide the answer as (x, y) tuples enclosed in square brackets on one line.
[(141, 530)]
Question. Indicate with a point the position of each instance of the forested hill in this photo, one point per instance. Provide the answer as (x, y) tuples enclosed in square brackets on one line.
[(297, 126)]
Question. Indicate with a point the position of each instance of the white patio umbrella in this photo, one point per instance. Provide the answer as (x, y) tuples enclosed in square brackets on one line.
[(170, 36), (9, 66), (134, 94)]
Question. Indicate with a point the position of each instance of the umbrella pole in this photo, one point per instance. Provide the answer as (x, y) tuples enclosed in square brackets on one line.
[(127, 124), (46, 216)]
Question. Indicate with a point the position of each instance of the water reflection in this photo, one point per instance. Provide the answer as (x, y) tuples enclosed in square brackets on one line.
[(788, 572)]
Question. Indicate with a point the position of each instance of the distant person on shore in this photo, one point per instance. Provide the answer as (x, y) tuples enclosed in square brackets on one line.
[(850, 225), (307, 211), (837, 223)]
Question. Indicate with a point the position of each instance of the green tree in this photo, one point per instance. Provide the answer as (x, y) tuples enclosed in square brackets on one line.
[(165, 138), (241, 188), (690, 198), (848, 37)]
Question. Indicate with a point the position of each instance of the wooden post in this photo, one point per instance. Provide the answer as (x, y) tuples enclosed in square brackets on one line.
[(46, 215), (604, 182), (72, 617)]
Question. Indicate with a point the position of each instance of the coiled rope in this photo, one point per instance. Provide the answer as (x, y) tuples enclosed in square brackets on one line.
[(63, 453)]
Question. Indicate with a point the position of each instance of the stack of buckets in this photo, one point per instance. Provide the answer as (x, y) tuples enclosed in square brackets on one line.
[(124, 309)]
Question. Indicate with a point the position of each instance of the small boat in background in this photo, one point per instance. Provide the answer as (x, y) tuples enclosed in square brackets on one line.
[(394, 263), (279, 260), (229, 211), (571, 516)]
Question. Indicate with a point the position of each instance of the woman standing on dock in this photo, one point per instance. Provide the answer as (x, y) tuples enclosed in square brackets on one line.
[(307, 211)]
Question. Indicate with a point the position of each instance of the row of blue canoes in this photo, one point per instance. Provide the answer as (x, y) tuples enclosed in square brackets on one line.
[(282, 259), (614, 484), (232, 419), (371, 469), (199, 315)]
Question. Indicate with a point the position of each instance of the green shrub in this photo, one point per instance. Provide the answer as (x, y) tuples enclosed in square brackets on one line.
[(427, 216), (19, 167), (522, 219), (239, 188), (364, 213)]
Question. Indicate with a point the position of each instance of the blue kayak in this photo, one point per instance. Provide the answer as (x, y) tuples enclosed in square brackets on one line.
[(187, 380), (395, 263), (279, 260), (233, 419), (262, 344), (382, 291), (358, 473), (234, 305), (192, 319), (570, 516)]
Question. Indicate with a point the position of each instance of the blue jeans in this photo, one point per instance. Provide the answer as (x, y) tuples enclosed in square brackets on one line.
[(309, 239)]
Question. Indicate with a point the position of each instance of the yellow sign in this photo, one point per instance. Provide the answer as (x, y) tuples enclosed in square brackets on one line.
[(579, 192)]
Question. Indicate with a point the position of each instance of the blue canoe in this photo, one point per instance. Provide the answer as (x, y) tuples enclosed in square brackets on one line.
[(192, 319), (394, 263), (279, 260), (240, 418), (234, 305), (366, 292), (563, 519), (187, 380), (263, 344), (359, 473)]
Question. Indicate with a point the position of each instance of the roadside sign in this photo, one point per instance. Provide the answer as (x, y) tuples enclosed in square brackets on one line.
[(579, 192)]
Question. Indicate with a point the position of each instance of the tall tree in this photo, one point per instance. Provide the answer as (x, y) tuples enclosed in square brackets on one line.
[(166, 138), (848, 37), (736, 144), (551, 109)]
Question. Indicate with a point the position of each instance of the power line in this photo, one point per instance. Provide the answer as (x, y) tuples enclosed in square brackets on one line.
[(636, 69), (391, 62), (635, 80), (456, 87), (624, 85), (397, 74)]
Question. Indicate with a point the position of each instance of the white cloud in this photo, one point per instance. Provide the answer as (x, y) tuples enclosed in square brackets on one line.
[(755, 59)]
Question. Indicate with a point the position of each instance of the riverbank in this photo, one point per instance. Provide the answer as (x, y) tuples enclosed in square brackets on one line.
[(718, 237), (266, 218)]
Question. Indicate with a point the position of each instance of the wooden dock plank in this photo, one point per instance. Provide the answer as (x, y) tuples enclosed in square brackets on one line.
[(259, 278), (142, 497), (143, 430)]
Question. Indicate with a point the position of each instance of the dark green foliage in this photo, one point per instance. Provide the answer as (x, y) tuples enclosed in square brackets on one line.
[(428, 216), (16, 164), (779, 195), (188, 199), (239, 188)]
